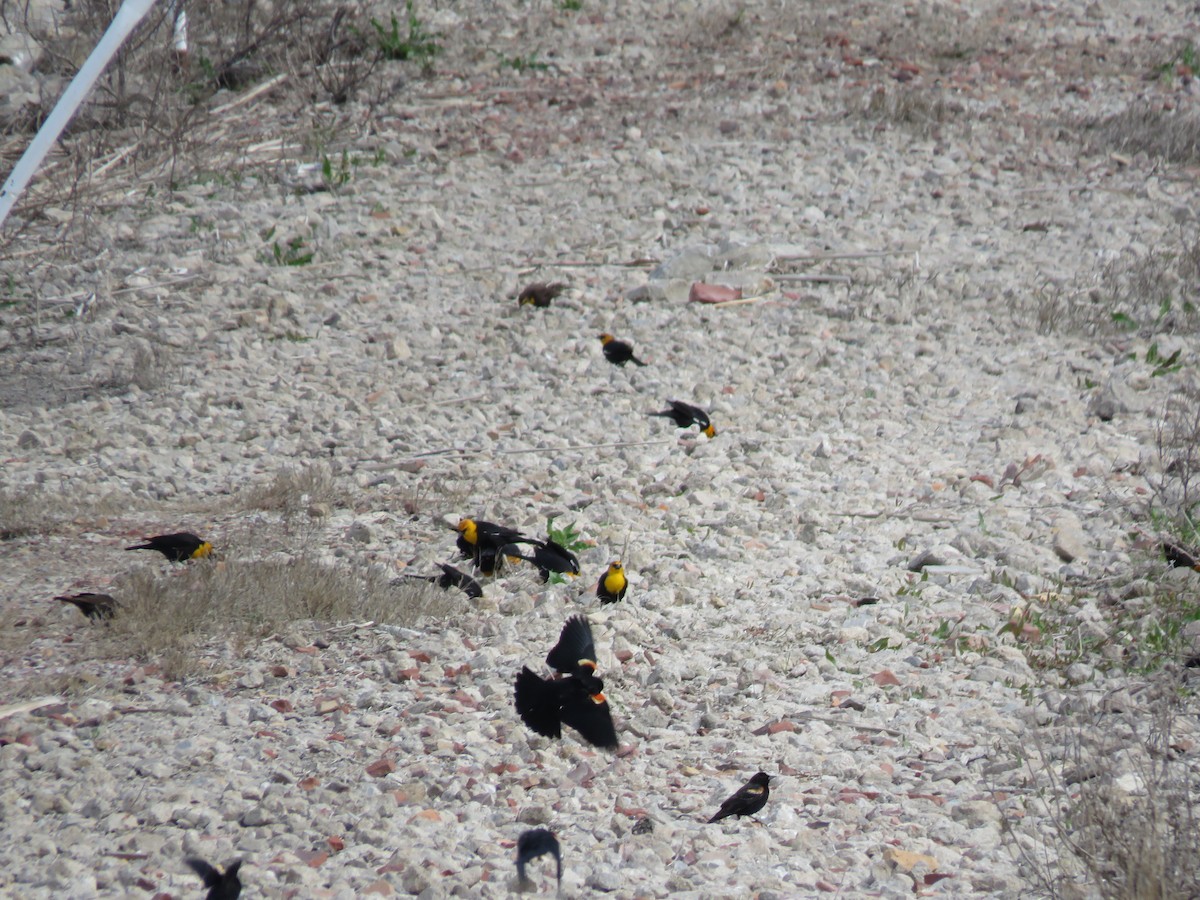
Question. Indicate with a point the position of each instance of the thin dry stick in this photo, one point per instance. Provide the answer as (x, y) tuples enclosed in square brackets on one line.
[(832, 279), (250, 96), (821, 257), (464, 452), (28, 706)]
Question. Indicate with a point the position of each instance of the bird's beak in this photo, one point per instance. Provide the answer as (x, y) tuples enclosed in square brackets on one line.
[(710, 431)]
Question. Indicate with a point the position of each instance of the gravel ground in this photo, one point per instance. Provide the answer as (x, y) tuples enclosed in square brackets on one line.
[(897, 429)]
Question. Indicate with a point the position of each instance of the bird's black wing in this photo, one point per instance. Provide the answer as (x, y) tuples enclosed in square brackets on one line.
[(462, 580), (558, 557), (592, 719), (575, 645), (207, 873), (534, 843), (537, 703)]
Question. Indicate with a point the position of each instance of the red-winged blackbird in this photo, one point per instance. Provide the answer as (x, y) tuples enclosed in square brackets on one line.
[(612, 584), (532, 844), (179, 547), (618, 352), (452, 577), (540, 293), (549, 556), (577, 700), (746, 800), (226, 886), (684, 414), (94, 606), (1179, 557)]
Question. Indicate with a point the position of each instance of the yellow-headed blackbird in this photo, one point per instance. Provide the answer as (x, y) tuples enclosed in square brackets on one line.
[(94, 606), (1179, 557), (179, 547), (612, 584), (746, 800), (452, 577), (481, 542), (576, 700), (540, 294), (532, 844), (221, 886), (549, 556), (684, 414), (618, 352)]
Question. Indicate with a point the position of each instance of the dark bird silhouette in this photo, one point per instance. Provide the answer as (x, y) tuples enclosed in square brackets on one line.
[(532, 844), (481, 541), (746, 800), (452, 577), (1179, 557), (618, 352), (577, 699), (94, 606), (612, 584), (220, 886), (684, 414), (540, 294), (178, 547), (549, 556)]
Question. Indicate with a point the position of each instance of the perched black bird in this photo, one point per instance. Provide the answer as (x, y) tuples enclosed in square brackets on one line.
[(532, 844), (452, 577), (179, 547), (684, 414), (577, 700), (746, 800), (540, 294), (1178, 557), (612, 584), (94, 606), (549, 556), (225, 886), (618, 352), (480, 541)]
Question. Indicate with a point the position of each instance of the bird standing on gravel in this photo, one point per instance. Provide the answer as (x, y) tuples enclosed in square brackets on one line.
[(578, 700), (684, 414), (530, 845), (549, 556), (452, 577), (540, 294), (221, 886), (746, 800), (618, 352), (94, 606), (612, 584), (178, 547), (481, 541)]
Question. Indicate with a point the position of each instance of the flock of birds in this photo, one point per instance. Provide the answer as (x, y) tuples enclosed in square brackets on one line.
[(572, 696)]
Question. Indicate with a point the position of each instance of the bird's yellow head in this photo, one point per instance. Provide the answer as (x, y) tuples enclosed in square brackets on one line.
[(202, 551), (710, 431), (615, 568), (467, 529), (606, 339)]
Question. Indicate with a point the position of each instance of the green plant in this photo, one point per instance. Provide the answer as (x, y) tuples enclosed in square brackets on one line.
[(336, 177), (566, 536), (415, 44), (524, 63), (290, 254), (1163, 365), (570, 5), (1185, 62)]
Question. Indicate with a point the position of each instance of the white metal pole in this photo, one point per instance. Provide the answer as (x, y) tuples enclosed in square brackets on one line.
[(126, 19)]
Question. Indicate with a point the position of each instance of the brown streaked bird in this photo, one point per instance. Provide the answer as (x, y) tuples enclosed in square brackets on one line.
[(534, 843), (612, 584), (452, 577), (221, 885), (684, 414), (577, 699), (746, 800), (95, 606), (618, 352), (540, 293), (178, 547)]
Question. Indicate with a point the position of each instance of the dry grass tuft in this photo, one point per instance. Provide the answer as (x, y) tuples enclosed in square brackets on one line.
[(924, 112), (295, 490), (1147, 293), (33, 510), (1172, 136), (164, 617), (1124, 797)]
